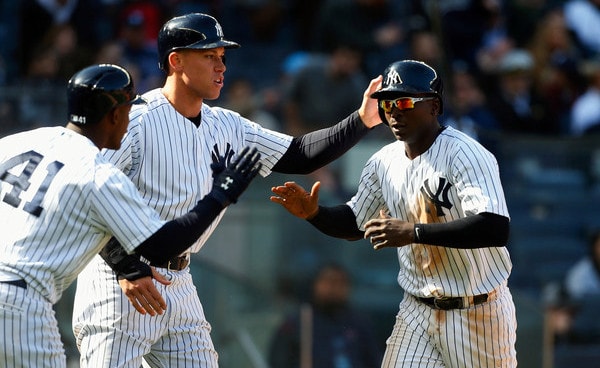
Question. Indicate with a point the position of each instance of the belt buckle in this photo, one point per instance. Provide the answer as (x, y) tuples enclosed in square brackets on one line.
[(169, 265), (446, 303), (179, 263)]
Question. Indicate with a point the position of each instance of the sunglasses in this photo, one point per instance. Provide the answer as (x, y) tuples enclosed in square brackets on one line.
[(402, 103)]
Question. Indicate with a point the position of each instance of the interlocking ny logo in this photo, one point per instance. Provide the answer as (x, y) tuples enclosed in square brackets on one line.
[(434, 197), (225, 185)]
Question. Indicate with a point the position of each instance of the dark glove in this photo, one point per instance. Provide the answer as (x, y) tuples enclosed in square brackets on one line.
[(230, 182), (126, 266)]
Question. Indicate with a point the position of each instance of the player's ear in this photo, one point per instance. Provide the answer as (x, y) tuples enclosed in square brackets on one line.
[(174, 60), (435, 107)]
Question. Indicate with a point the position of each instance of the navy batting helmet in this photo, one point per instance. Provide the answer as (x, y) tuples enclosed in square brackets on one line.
[(409, 78), (94, 91), (190, 31)]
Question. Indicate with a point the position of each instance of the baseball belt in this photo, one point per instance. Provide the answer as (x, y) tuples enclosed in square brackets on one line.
[(175, 264), (461, 302)]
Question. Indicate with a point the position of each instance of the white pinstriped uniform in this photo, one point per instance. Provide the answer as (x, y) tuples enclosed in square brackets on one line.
[(70, 203), (454, 178), (168, 158)]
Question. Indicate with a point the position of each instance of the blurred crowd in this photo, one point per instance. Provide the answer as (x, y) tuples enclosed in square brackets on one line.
[(510, 66)]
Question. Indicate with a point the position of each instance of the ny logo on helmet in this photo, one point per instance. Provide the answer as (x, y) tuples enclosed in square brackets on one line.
[(392, 78), (219, 30)]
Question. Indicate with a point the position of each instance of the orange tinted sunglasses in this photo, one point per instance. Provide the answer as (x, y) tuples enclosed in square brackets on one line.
[(402, 103)]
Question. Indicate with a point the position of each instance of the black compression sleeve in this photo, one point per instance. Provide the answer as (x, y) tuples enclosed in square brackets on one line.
[(316, 149), (338, 222), (478, 231), (179, 234)]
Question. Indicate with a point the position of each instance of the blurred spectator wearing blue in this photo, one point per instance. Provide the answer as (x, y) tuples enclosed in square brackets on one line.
[(583, 19), (326, 332), (585, 113), (140, 50)]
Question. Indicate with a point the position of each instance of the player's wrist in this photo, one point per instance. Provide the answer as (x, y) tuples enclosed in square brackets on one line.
[(313, 214)]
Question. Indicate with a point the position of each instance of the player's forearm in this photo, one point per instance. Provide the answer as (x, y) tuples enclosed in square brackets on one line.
[(338, 222), (171, 239), (177, 235), (478, 231), (316, 149)]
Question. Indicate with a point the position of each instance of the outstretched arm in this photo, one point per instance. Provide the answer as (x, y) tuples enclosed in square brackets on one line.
[(338, 221), (316, 149), (135, 276)]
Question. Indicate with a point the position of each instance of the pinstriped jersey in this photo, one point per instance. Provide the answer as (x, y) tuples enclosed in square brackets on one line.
[(456, 177), (60, 201), (168, 157)]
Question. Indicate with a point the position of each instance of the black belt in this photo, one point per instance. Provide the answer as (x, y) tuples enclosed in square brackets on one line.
[(20, 283), (446, 303), (175, 263)]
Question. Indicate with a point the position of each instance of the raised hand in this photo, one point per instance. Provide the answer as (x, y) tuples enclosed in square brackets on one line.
[(297, 200), (230, 182)]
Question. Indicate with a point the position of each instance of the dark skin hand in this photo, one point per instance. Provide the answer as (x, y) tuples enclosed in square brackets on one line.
[(382, 232)]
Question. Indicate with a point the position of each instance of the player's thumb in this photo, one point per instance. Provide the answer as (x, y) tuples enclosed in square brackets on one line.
[(383, 214), (159, 277), (314, 192)]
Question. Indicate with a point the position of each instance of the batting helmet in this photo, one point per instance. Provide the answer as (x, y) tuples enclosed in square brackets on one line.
[(190, 31), (409, 78), (94, 91)]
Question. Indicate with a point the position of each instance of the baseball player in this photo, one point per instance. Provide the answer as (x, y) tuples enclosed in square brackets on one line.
[(167, 153), (435, 195), (60, 201)]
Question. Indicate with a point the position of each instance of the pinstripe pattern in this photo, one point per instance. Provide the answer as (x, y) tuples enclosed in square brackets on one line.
[(82, 203), (454, 178), (168, 158)]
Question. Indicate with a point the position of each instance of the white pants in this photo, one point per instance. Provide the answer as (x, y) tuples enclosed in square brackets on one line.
[(111, 333), (480, 336), (29, 334)]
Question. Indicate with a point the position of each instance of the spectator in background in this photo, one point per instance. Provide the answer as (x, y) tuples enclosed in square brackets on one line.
[(516, 105), (38, 17), (323, 90), (476, 34), (467, 109), (371, 26), (572, 307), (424, 45), (582, 18), (327, 332), (242, 97), (585, 113), (555, 72), (583, 279), (140, 51), (41, 105)]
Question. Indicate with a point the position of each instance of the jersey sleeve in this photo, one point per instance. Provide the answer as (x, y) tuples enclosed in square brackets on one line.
[(243, 132), (477, 179), (119, 209), (368, 199)]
